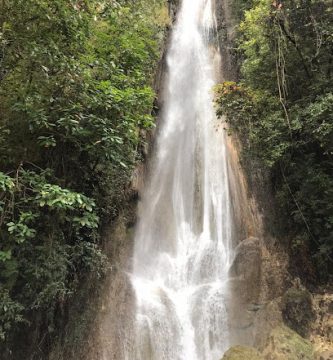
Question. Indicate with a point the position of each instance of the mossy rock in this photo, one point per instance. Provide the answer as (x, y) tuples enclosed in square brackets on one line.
[(297, 310), (242, 353), (285, 344)]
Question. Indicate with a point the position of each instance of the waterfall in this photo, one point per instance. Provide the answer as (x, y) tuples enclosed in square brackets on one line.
[(182, 250)]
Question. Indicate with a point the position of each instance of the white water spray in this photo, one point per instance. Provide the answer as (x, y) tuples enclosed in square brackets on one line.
[(183, 239)]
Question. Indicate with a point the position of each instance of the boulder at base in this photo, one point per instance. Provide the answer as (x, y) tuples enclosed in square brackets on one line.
[(242, 353), (297, 310), (285, 344)]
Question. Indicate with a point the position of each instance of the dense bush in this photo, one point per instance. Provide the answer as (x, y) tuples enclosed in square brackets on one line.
[(75, 90)]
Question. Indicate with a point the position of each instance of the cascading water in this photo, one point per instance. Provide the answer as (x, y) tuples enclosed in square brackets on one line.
[(183, 239)]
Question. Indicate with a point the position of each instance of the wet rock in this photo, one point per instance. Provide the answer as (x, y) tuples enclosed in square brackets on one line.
[(267, 318), (245, 283), (242, 353), (247, 253), (246, 268), (285, 344), (297, 310)]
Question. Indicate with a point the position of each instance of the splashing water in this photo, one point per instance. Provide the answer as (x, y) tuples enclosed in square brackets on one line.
[(183, 239)]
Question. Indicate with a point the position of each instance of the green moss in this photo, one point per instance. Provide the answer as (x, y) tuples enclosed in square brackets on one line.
[(285, 344), (241, 353)]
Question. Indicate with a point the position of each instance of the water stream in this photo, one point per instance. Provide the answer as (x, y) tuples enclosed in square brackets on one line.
[(183, 239)]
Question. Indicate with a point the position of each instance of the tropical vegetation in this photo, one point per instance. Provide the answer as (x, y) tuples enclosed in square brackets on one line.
[(75, 97), (282, 109)]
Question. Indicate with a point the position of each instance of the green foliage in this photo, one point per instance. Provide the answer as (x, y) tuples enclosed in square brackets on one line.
[(282, 109), (44, 228), (75, 97), (10, 313)]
